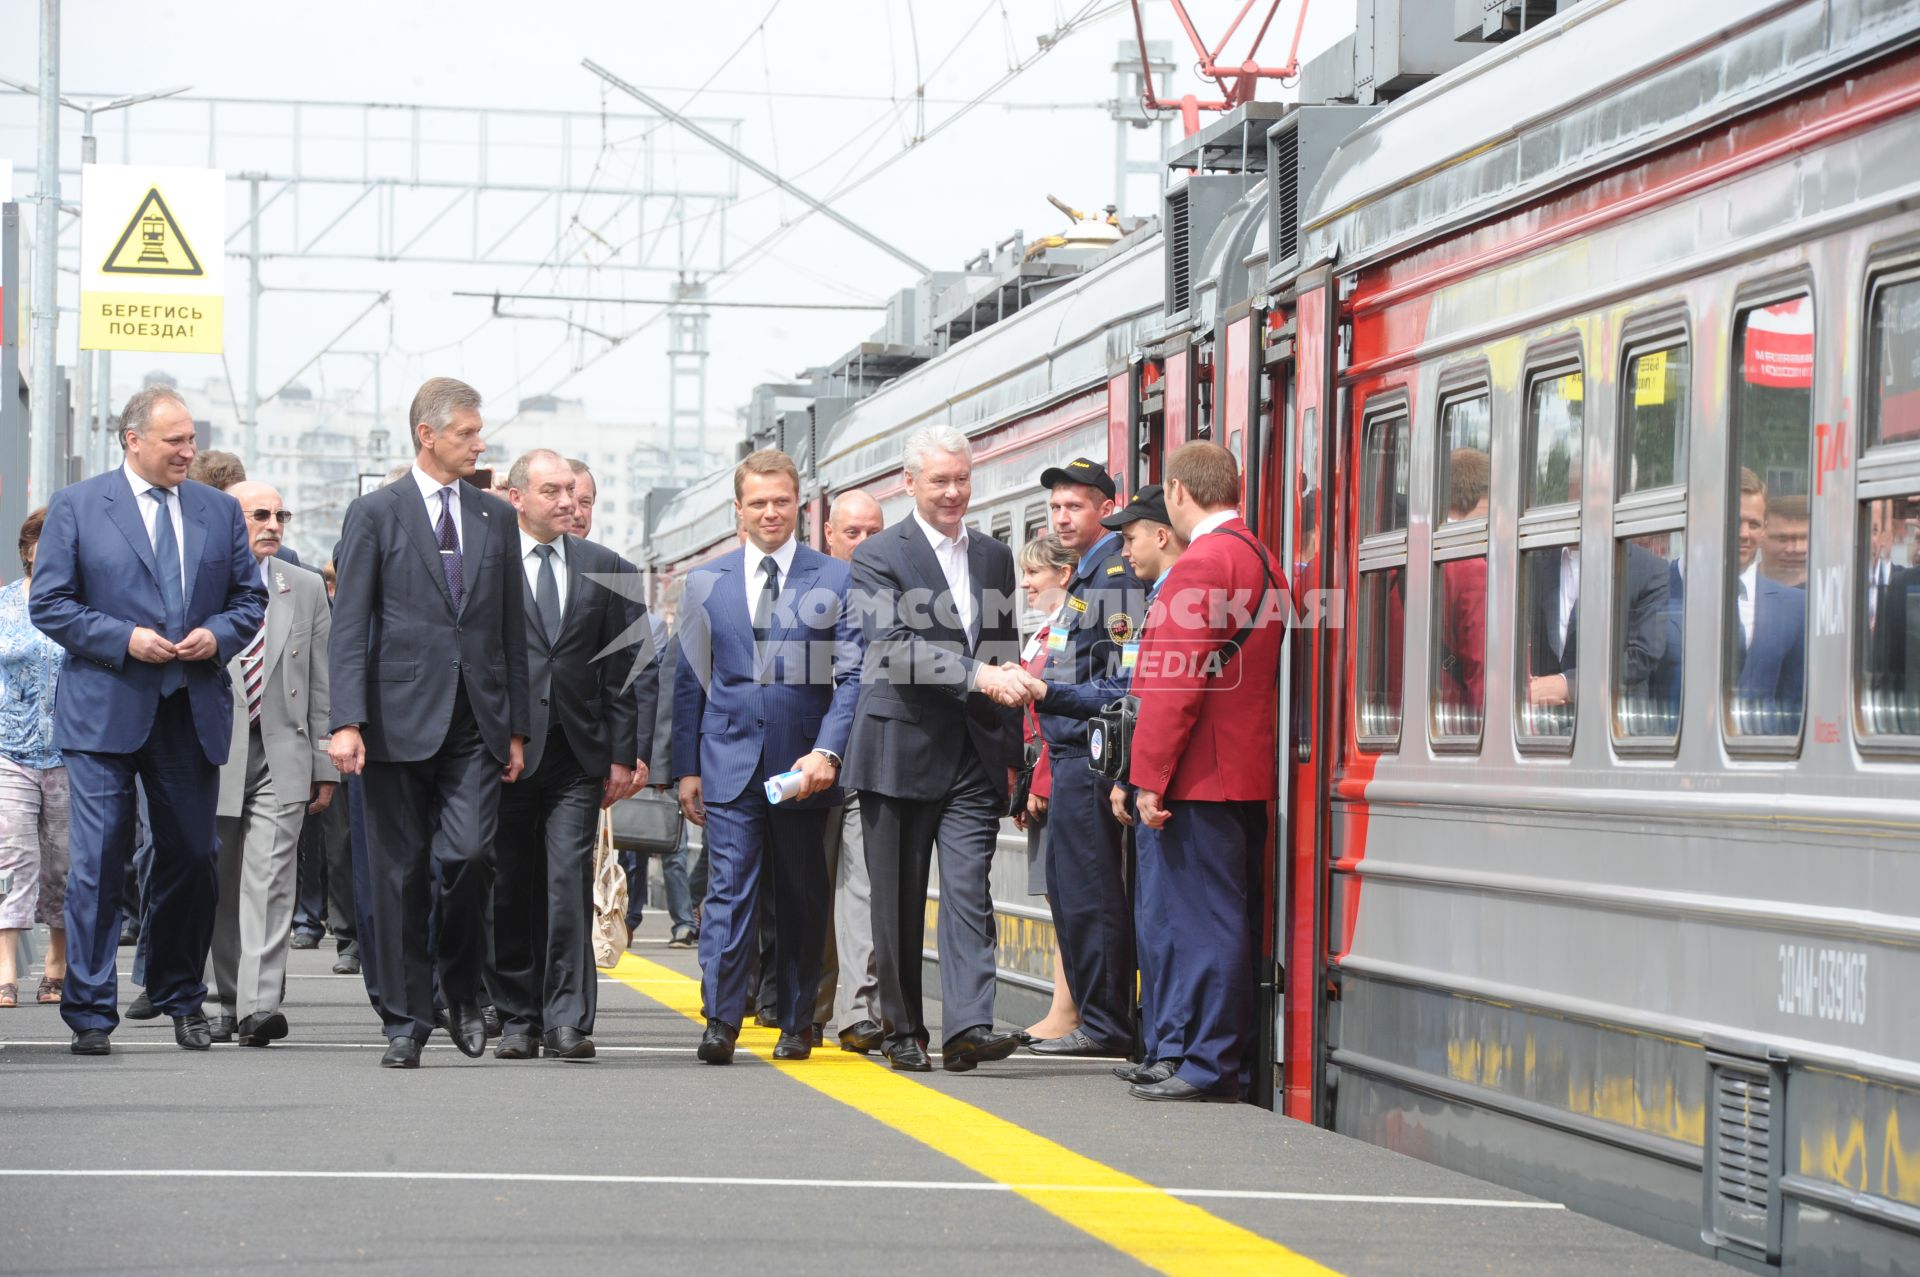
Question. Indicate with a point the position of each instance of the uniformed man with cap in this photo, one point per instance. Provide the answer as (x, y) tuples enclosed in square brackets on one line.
[(1086, 856)]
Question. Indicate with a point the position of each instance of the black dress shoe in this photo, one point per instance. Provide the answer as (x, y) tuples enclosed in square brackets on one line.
[(221, 1027), (568, 1044), (91, 1042), (490, 1016), (402, 1053), (304, 940), (143, 1008), (819, 1034), (716, 1044), (974, 1047), (1148, 1073), (468, 1029), (861, 1037), (766, 1019), (908, 1056), (793, 1046), (129, 936), (347, 964), (1079, 1045), (261, 1028), (1180, 1090), (517, 1046), (192, 1032)]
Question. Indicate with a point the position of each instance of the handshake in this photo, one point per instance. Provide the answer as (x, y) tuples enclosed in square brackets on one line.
[(1009, 685)]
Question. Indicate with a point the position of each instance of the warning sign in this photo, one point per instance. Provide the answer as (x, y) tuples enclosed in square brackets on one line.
[(152, 243), (152, 252)]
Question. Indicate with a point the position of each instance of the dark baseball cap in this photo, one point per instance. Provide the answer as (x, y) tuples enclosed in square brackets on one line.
[(1148, 503), (1079, 470)]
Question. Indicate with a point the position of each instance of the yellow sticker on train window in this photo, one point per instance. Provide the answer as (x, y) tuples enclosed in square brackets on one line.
[(1650, 380), (1575, 387)]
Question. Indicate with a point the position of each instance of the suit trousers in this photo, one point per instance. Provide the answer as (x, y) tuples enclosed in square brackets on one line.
[(1087, 889), (742, 837), (901, 834), (853, 987), (362, 875), (1210, 873), (336, 850), (1162, 1030), (544, 976), (253, 925), (178, 929), (310, 881), (431, 824)]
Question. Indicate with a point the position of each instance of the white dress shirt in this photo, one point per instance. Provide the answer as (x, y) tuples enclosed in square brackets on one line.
[(531, 562), (1569, 596), (1749, 584), (149, 508), (754, 577), (1212, 523), (430, 493), (952, 554)]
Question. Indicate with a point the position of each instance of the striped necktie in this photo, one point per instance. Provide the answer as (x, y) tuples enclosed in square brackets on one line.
[(253, 673)]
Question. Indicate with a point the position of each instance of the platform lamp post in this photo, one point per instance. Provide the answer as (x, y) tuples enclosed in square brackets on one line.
[(90, 403)]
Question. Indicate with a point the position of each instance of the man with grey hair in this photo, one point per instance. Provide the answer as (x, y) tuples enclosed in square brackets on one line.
[(146, 579), (935, 739), (429, 654), (585, 493)]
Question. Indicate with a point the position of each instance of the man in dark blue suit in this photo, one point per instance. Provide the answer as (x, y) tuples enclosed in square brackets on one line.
[(1768, 634), (146, 579), (766, 684)]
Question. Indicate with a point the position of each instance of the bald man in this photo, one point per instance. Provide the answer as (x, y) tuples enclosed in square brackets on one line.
[(276, 774)]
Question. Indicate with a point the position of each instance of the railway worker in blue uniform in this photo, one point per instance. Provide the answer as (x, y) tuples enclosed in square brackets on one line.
[(1086, 854), (765, 689)]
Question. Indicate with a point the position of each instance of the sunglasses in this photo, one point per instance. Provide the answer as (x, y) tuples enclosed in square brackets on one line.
[(281, 517)]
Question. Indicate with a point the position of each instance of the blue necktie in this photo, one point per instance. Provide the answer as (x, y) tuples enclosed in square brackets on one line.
[(166, 558)]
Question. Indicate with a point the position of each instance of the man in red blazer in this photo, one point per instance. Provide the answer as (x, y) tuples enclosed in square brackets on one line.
[(1204, 750)]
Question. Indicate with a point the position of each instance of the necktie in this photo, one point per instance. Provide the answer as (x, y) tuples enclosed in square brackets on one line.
[(253, 673), (769, 593), (450, 549), (546, 594), (166, 557)]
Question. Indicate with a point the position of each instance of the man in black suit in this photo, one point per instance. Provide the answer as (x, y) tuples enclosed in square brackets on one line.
[(1553, 630), (429, 657), (580, 757), (932, 753)]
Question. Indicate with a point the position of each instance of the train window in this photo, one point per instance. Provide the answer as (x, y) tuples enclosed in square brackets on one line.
[(1765, 621), (1888, 623), (1459, 647), (1466, 438), (1647, 648), (1893, 355), (1036, 522), (1554, 415), (1383, 490), (1653, 420), (1550, 640), (1383, 628)]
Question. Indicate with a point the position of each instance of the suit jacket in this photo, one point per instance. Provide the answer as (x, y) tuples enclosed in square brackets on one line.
[(293, 697), (1893, 658), (1771, 683), (1649, 614), (400, 650), (737, 705), (567, 680), (917, 710), (1206, 732), (95, 579)]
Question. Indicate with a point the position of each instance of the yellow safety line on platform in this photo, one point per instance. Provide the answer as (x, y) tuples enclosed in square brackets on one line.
[(1131, 1215)]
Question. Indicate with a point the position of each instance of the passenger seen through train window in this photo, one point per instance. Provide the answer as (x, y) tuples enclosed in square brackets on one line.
[(1648, 570), (1460, 607), (1550, 576), (1783, 552)]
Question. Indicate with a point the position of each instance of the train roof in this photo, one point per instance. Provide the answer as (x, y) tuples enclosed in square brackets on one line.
[(1603, 81)]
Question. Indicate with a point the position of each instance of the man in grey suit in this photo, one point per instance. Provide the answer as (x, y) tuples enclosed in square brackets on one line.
[(580, 757), (275, 776), (849, 980), (430, 705), (935, 737)]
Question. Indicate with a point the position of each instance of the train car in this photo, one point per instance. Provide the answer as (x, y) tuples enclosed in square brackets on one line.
[(1606, 829)]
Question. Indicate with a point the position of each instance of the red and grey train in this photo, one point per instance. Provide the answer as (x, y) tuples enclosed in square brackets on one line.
[(1607, 342)]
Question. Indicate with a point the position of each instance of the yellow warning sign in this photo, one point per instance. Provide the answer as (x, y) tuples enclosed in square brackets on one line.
[(152, 243), (1650, 380), (153, 258)]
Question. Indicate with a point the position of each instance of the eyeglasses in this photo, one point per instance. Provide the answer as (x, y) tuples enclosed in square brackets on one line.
[(281, 517)]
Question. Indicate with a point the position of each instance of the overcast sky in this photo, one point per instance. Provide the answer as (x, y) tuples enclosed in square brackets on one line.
[(975, 182)]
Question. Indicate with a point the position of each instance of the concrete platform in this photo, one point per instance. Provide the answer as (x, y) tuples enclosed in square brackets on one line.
[(306, 1154)]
